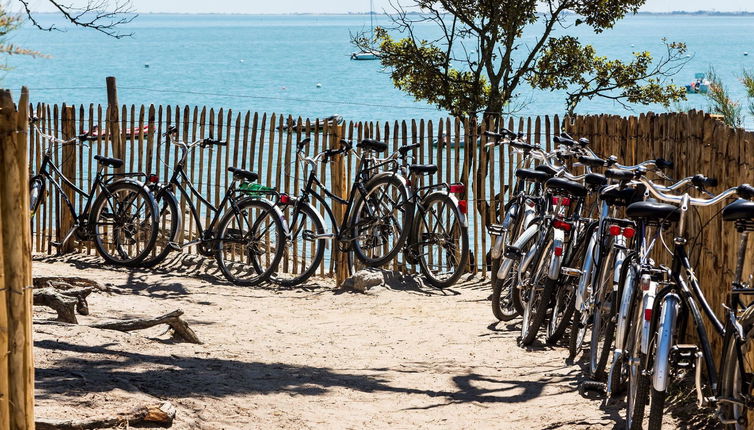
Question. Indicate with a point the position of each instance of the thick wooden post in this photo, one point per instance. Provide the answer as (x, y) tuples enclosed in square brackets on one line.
[(338, 173), (16, 359), (68, 168), (113, 120)]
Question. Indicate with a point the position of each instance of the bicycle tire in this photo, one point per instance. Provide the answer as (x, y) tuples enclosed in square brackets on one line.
[(638, 383), (502, 313), (239, 243), (310, 218), (457, 229), (169, 226), (37, 188), (603, 324), (620, 373), (731, 380), (565, 296), (128, 230), (355, 218), (537, 301)]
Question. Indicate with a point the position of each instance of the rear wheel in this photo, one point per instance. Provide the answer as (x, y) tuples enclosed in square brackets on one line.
[(628, 279), (603, 323), (380, 220), (304, 246), (250, 242), (537, 293), (168, 228), (443, 241), (565, 296), (638, 382), (36, 194), (124, 223)]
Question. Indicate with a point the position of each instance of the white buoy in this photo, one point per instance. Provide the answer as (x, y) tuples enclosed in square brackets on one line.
[(319, 85), (632, 45), (146, 65), (243, 61), (746, 53)]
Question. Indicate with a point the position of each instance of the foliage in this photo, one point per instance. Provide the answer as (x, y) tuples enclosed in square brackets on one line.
[(748, 80), (8, 23), (720, 101), (483, 55)]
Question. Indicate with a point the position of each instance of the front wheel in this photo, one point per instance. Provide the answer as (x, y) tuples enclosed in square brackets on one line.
[(736, 376), (168, 228), (536, 294), (124, 223), (304, 247), (250, 242), (442, 240)]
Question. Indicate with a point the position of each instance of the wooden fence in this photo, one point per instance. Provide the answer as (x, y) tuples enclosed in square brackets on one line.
[(696, 143), (16, 358), (264, 143)]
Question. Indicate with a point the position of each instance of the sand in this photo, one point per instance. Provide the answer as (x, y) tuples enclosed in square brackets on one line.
[(401, 356)]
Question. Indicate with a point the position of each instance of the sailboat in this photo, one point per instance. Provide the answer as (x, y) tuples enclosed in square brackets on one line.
[(371, 53)]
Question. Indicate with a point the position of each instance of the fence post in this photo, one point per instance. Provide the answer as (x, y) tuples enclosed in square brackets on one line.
[(113, 120), (16, 360), (338, 172), (68, 168)]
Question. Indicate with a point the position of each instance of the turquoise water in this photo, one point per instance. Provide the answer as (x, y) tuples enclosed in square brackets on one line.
[(274, 63)]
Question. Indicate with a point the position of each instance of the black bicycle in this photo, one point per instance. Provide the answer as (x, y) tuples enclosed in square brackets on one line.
[(375, 220), (120, 214), (247, 239)]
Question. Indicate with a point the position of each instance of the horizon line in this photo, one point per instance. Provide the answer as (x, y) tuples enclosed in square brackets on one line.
[(673, 12)]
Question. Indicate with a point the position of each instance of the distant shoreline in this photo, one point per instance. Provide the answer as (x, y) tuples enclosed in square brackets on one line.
[(678, 12)]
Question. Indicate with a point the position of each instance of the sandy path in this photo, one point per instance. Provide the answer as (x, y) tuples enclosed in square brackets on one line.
[(400, 357)]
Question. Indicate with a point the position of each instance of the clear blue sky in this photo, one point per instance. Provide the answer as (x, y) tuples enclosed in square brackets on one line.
[(335, 6)]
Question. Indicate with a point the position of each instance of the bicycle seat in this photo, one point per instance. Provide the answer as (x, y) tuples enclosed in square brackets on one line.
[(532, 175), (595, 179), (422, 169), (564, 185), (372, 145), (623, 197), (654, 210), (408, 148), (107, 161), (244, 174), (740, 209), (547, 169)]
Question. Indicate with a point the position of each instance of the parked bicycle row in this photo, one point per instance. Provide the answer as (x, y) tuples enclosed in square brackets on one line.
[(258, 234), (572, 256)]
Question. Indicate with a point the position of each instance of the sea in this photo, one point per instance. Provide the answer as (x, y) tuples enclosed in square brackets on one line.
[(300, 64)]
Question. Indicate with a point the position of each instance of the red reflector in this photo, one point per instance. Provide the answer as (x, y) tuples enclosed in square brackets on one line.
[(565, 201), (629, 232), (153, 179), (408, 182), (614, 230), (463, 206), (558, 251), (285, 199), (561, 225), (457, 188), (647, 314)]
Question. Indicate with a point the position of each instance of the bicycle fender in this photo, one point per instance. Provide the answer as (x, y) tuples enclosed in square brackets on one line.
[(668, 318), (558, 237), (497, 248), (462, 217), (153, 201), (274, 207), (383, 174), (525, 236), (172, 197)]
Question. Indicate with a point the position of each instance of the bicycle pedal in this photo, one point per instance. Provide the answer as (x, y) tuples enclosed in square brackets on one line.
[(571, 271), (683, 355)]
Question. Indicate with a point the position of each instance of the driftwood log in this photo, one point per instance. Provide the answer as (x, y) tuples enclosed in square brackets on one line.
[(153, 415), (63, 304), (181, 330), (55, 292)]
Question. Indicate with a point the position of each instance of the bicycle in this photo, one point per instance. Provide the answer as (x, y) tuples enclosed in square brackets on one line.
[(247, 239), (120, 214), (374, 223), (680, 297)]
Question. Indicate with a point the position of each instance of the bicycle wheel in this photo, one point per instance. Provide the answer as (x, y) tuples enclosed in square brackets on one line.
[(638, 382), (565, 295), (380, 220), (537, 294), (168, 228), (250, 242), (304, 246), (735, 377), (506, 297), (442, 240), (124, 223), (629, 278), (603, 323), (36, 194)]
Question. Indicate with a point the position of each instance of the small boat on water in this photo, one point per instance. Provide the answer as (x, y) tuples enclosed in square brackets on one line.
[(700, 85), (316, 125), (96, 133), (365, 55)]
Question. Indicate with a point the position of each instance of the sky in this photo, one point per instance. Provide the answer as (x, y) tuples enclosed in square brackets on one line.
[(341, 6)]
